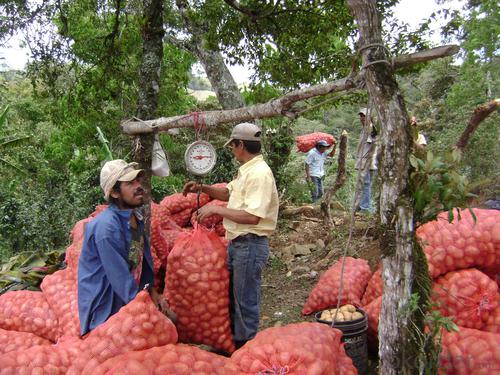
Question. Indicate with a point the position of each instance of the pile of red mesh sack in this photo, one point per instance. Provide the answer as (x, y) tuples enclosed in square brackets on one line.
[(462, 243), (13, 340), (356, 275)]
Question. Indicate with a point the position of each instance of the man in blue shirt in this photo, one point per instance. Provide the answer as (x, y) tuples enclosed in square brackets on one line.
[(315, 170), (115, 262)]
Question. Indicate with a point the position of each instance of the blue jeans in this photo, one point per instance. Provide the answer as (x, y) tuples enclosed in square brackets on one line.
[(317, 191), (365, 203), (247, 256)]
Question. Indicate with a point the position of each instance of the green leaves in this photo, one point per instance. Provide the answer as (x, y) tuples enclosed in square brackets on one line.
[(437, 185), (27, 270)]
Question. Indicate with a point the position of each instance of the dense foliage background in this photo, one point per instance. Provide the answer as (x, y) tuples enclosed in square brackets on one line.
[(51, 152)]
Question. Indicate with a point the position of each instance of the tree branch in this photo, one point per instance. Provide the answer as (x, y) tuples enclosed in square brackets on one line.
[(339, 181), (276, 107), (480, 113)]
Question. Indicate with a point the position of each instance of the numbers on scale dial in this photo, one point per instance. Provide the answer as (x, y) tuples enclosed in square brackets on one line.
[(200, 157)]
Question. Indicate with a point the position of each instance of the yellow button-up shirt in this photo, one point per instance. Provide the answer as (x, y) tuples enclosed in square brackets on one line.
[(254, 191)]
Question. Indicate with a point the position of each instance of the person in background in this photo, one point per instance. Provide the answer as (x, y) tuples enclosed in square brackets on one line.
[(115, 262), (420, 143), (315, 167), (249, 219), (366, 159)]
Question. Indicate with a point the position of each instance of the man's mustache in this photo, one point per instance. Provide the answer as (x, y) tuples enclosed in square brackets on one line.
[(140, 191)]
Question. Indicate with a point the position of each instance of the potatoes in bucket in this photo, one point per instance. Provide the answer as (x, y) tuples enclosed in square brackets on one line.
[(345, 313)]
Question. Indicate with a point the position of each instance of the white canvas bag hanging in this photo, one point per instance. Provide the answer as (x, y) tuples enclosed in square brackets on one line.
[(159, 164)]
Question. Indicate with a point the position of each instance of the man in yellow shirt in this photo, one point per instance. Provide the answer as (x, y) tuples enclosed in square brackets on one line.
[(249, 218)]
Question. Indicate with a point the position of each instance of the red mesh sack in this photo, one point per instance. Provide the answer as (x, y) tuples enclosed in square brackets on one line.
[(493, 322), (137, 326), (12, 340), (176, 359), (178, 202), (375, 287), (27, 311), (493, 273), (211, 221), (307, 141), (77, 234), (357, 273), (38, 360), (183, 217), (461, 243), (197, 289), (470, 351), (164, 232), (467, 295), (220, 230), (60, 290), (373, 312), (300, 348)]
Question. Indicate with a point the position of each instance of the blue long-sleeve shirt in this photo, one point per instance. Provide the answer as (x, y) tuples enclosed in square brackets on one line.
[(105, 283)]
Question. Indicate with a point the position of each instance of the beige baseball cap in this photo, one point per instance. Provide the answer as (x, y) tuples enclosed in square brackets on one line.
[(245, 132), (117, 170), (363, 111)]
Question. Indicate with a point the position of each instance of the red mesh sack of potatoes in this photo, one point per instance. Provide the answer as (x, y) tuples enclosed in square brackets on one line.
[(60, 290), (37, 360), (220, 230), (300, 348), (176, 359), (197, 288), (467, 295), (307, 141), (12, 340), (373, 312), (164, 232), (461, 243), (493, 322), (178, 202), (77, 234), (470, 351), (137, 326), (183, 217), (27, 311), (493, 273), (357, 273), (375, 287), (211, 221)]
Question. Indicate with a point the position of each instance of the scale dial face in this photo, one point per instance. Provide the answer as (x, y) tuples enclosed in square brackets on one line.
[(200, 158)]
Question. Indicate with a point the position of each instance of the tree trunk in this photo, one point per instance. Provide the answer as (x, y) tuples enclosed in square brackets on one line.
[(398, 354), (220, 77), (149, 89)]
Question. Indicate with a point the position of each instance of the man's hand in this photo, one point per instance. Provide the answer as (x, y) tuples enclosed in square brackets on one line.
[(163, 305), (191, 187), (207, 211)]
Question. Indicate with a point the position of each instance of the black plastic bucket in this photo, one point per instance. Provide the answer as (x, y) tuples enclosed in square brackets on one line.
[(354, 337)]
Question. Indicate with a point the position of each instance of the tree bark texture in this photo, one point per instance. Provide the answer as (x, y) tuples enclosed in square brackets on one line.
[(339, 181), (396, 208), (220, 77), (149, 89), (218, 74), (281, 106)]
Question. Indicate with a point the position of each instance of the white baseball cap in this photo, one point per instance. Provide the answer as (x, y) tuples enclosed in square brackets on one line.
[(117, 170), (245, 132)]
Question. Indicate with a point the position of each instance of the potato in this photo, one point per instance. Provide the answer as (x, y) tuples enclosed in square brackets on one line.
[(356, 315), (347, 315), (349, 308)]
